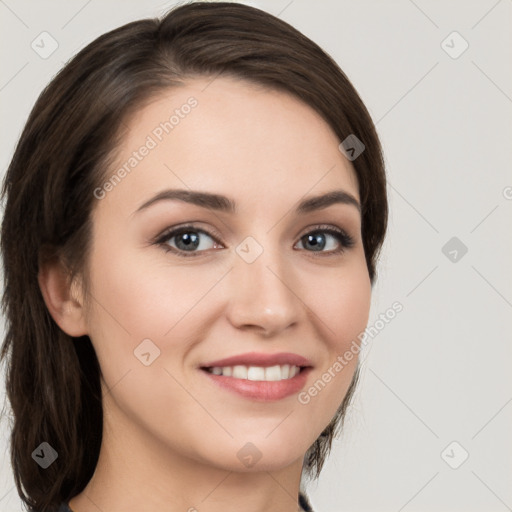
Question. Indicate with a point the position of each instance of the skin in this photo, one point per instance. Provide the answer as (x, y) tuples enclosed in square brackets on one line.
[(171, 437)]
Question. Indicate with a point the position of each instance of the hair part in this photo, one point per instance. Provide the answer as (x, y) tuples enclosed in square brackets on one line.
[(64, 153)]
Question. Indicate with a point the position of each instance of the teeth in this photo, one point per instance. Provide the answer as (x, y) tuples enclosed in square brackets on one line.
[(239, 372), (257, 373), (273, 373)]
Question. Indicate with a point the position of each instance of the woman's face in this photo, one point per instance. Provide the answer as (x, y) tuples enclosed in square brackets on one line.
[(243, 282)]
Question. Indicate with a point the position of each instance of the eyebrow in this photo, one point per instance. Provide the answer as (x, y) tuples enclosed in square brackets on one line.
[(225, 204)]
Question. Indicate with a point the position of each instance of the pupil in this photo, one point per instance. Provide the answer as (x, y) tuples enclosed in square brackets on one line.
[(188, 240), (314, 240)]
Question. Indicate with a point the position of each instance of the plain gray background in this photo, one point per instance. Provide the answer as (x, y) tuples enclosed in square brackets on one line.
[(436, 380)]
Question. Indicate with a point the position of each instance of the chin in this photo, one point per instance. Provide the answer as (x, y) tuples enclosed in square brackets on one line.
[(257, 453)]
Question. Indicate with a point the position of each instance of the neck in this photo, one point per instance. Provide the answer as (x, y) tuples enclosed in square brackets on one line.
[(136, 472)]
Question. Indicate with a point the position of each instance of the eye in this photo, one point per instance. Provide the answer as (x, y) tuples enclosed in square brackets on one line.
[(318, 240), (188, 239)]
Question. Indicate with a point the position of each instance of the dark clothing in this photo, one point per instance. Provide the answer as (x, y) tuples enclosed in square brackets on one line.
[(303, 502)]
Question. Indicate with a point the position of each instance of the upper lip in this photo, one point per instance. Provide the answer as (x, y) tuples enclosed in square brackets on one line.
[(260, 359)]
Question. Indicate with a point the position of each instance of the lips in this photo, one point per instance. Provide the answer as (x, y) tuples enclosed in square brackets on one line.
[(260, 359), (259, 376)]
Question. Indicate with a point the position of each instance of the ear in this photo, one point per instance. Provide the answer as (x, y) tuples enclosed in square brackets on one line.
[(64, 299)]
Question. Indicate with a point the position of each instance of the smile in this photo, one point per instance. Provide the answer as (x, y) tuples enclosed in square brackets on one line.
[(257, 373), (258, 376)]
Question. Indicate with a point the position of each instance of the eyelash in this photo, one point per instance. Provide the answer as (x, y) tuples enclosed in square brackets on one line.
[(346, 241)]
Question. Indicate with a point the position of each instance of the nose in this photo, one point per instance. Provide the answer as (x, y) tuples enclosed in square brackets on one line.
[(262, 295)]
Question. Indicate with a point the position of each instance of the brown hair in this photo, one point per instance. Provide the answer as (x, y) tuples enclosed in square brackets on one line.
[(53, 379)]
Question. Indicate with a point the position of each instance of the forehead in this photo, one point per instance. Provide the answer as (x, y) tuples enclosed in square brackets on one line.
[(228, 136)]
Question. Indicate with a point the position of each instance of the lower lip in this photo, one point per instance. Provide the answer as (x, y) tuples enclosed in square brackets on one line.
[(263, 391)]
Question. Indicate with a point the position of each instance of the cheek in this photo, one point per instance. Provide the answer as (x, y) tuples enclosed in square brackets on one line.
[(341, 300), (138, 298), (343, 306)]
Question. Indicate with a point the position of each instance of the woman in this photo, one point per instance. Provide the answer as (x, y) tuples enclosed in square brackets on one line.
[(193, 217)]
